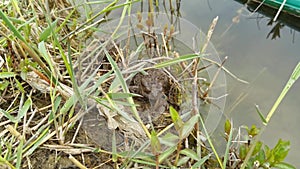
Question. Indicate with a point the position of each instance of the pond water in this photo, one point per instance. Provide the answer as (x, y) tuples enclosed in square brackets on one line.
[(265, 63), (254, 56)]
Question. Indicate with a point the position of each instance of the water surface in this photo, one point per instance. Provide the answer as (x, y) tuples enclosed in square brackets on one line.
[(265, 63)]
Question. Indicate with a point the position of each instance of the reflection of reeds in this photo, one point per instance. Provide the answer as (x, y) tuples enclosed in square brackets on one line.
[(286, 18)]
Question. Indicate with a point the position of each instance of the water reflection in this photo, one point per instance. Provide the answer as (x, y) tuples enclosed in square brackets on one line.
[(289, 19)]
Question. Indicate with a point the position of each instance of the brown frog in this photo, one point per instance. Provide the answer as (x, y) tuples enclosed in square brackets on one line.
[(156, 88)]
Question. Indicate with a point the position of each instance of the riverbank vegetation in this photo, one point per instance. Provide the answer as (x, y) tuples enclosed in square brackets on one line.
[(55, 70)]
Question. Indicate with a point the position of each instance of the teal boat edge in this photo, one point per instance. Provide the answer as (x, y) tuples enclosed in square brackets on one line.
[(291, 6)]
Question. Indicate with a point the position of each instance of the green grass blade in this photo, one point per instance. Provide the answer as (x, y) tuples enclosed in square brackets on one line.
[(19, 153), (167, 153), (118, 72), (200, 162), (66, 19), (4, 161), (56, 104), (182, 161), (36, 143), (44, 53), (73, 79), (177, 60), (295, 75), (97, 83), (190, 153), (230, 136), (67, 61), (7, 115), (296, 72), (47, 32), (155, 143), (210, 143), (19, 86), (106, 9), (7, 75), (24, 109), (188, 126), (11, 26), (126, 90), (262, 117), (91, 78), (125, 10)]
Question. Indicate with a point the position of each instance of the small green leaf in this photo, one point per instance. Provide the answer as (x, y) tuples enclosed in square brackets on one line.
[(227, 127), (243, 152), (190, 153), (155, 144), (229, 137), (189, 126), (178, 123), (169, 139), (271, 158), (166, 154), (267, 150), (200, 162), (183, 161), (261, 157), (19, 85), (269, 154), (257, 147), (253, 131), (281, 150)]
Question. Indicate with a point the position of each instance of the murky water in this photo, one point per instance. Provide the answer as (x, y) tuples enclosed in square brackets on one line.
[(265, 63)]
